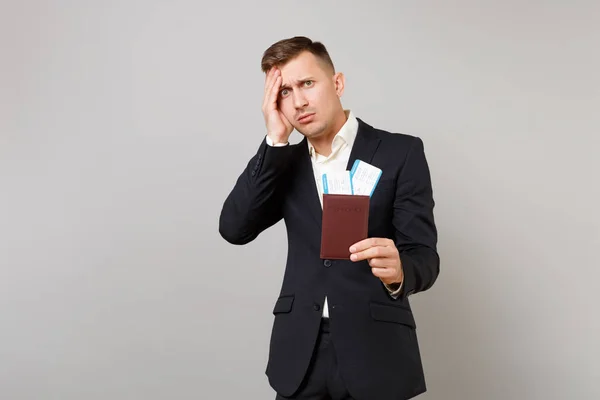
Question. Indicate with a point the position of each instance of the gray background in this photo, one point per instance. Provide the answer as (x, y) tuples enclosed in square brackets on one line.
[(124, 125)]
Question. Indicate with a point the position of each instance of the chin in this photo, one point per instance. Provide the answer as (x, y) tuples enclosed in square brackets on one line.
[(312, 131)]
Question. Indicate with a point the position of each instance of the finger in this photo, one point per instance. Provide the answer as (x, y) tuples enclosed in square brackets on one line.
[(383, 273), (270, 78), (271, 96), (384, 262), (269, 81), (361, 245), (370, 242), (275, 92), (372, 252)]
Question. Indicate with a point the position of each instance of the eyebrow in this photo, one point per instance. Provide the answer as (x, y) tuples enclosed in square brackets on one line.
[(308, 78)]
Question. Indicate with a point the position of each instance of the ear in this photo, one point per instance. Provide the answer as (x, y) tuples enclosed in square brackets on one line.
[(339, 80)]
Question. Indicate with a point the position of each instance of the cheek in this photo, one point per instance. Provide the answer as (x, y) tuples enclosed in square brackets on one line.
[(315, 101), (321, 100)]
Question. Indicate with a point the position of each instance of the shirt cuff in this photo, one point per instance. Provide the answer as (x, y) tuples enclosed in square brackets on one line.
[(270, 143), (394, 289)]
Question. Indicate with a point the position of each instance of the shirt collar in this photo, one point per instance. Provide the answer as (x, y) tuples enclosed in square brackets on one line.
[(346, 135)]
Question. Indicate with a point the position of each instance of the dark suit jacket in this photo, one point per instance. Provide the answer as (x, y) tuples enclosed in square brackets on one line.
[(373, 334)]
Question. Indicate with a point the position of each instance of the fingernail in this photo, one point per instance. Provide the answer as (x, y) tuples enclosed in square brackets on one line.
[(352, 249)]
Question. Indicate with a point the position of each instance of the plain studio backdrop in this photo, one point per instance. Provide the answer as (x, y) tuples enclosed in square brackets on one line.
[(124, 125)]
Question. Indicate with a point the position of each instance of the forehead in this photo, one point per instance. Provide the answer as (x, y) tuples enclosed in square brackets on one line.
[(304, 64)]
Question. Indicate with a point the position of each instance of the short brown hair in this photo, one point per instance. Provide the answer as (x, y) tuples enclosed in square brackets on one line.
[(279, 53)]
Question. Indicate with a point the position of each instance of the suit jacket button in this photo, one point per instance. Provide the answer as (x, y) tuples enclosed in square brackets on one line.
[(327, 263), (316, 307)]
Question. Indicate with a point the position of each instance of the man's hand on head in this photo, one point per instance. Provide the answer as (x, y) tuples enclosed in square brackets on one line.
[(279, 128)]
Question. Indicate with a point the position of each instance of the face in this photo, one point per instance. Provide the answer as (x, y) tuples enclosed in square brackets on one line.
[(310, 96)]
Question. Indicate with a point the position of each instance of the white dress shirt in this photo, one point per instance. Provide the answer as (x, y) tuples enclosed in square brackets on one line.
[(336, 161)]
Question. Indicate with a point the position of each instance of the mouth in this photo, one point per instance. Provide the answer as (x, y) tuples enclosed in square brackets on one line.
[(306, 118)]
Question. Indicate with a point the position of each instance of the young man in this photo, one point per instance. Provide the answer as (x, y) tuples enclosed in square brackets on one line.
[(343, 329)]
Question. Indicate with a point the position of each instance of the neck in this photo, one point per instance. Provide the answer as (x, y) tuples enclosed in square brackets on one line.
[(322, 144)]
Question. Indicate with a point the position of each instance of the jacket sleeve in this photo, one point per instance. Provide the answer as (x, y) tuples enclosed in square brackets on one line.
[(416, 233), (255, 202)]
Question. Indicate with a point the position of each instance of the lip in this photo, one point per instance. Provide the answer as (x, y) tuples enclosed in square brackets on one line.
[(306, 118)]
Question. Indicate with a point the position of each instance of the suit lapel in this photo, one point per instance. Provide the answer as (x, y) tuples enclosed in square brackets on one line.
[(308, 186), (365, 144)]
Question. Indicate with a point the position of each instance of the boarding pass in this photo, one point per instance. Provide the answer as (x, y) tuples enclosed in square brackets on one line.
[(360, 180)]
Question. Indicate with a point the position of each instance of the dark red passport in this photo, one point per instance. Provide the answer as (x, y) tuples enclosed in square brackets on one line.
[(345, 222)]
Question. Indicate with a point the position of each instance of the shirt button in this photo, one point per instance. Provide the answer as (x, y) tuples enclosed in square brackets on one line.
[(327, 263), (316, 307)]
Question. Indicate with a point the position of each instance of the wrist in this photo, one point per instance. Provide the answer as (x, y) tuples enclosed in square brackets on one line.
[(394, 285), (397, 281), (275, 140)]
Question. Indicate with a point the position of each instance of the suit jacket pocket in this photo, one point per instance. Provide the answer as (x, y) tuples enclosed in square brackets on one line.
[(283, 304), (389, 313)]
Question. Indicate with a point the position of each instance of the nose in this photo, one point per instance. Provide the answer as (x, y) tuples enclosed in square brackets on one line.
[(299, 99)]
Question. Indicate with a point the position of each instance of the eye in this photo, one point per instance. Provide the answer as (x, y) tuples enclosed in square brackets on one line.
[(308, 83), (284, 92)]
